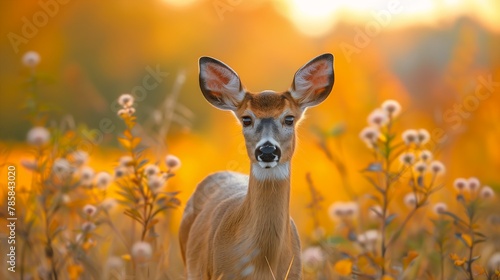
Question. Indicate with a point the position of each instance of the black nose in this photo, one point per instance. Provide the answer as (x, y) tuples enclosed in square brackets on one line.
[(267, 152)]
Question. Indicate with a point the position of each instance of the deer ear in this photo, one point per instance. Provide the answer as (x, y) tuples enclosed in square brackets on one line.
[(220, 85), (314, 81)]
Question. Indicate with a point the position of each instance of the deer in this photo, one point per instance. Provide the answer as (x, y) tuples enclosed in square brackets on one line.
[(237, 226)]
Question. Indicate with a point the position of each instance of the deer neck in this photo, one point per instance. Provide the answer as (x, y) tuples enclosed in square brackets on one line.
[(266, 209)]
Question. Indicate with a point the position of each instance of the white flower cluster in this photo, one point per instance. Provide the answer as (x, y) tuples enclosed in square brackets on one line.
[(418, 137), (156, 178), (377, 119), (313, 257), (126, 101), (343, 210), (368, 239), (473, 186), (422, 162)]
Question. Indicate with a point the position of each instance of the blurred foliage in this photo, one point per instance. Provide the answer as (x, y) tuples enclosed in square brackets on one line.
[(97, 50)]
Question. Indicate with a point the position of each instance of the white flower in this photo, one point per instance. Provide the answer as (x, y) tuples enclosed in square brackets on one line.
[(460, 184), (122, 112), (407, 158), (31, 59), (89, 210), (126, 100), (423, 136), (102, 180), (369, 135), (79, 158), (62, 168), (173, 163), (114, 263), (473, 184), (86, 176), (38, 136), (486, 192), (130, 110), (126, 161), (350, 209), (66, 198), (29, 164), (151, 170), (44, 272), (368, 239), (420, 167), (339, 210), (426, 155), (410, 136), (437, 167), (335, 211), (88, 227), (494, 261), (377, 118), (121, 171), (410, 200), (108, 203), (440, 208), (369, 236), (313, 257), (155, 182), (142, 251), (391, 107)]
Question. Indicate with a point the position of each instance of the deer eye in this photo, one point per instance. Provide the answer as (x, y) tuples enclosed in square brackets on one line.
[(247, 121), (289, 120)]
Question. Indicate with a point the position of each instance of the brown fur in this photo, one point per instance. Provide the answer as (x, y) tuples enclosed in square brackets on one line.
[(237, 226), (262, 208)]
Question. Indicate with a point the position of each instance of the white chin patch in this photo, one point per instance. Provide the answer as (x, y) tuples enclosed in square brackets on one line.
[(271, 171), (268, 164)]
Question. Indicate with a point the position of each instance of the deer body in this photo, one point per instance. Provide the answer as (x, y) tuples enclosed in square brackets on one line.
[(237, 226)]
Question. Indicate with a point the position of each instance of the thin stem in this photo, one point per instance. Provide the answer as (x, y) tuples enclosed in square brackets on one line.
[(49, 250), (442, 259), (386, 192), (402, 226), (340, 166), (471, 247)]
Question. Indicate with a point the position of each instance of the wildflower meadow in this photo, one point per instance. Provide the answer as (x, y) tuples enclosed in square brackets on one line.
[(105, 134)]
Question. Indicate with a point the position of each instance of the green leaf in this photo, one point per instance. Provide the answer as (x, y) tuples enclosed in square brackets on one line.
[(477, 241), (133, 213), (335, 240), (125, 193), (390, 218), (142, 163), (375, 184), (455, 217), (479, 234), (374, 167), (159, 210), (474, 259), (465, 238), (373, 197), (337, 130), (420, 180)]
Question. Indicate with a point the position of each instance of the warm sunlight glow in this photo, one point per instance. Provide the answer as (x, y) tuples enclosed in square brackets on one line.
[(180, 3), (317, 17), (312, 17)]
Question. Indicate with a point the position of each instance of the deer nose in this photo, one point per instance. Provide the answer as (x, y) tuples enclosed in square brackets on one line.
[(267, 152)]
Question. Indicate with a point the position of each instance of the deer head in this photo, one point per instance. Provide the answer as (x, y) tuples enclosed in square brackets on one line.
[(268, 118)]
